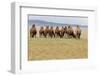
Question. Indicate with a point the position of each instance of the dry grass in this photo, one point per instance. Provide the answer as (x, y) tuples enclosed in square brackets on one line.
[(58, 48)]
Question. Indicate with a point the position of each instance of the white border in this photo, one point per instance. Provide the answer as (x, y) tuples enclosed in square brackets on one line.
[(20, 63)]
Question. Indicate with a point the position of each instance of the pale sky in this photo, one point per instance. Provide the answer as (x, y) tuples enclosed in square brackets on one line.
[(59, 19)]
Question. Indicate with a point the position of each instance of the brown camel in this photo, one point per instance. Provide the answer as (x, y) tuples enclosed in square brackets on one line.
[(66, 31), (62, 32), (33, 31), (41, 32), (70, 32), (46, 31), (57, 32), (78, 32), (51, 32)]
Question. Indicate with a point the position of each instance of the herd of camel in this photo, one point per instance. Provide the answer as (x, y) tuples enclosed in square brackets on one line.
[(65, 31)]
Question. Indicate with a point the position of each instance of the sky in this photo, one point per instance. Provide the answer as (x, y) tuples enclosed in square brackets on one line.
[(61, 19)]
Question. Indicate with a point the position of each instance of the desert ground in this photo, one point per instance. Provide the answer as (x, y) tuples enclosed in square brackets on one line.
[(58, 48)]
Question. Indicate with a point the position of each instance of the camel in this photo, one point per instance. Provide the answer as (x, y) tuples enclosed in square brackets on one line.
[(46, 32), (78, 32), (62, 32), (33, 31), (41, 32), (57, 32), (51, 32), (70, 32)]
